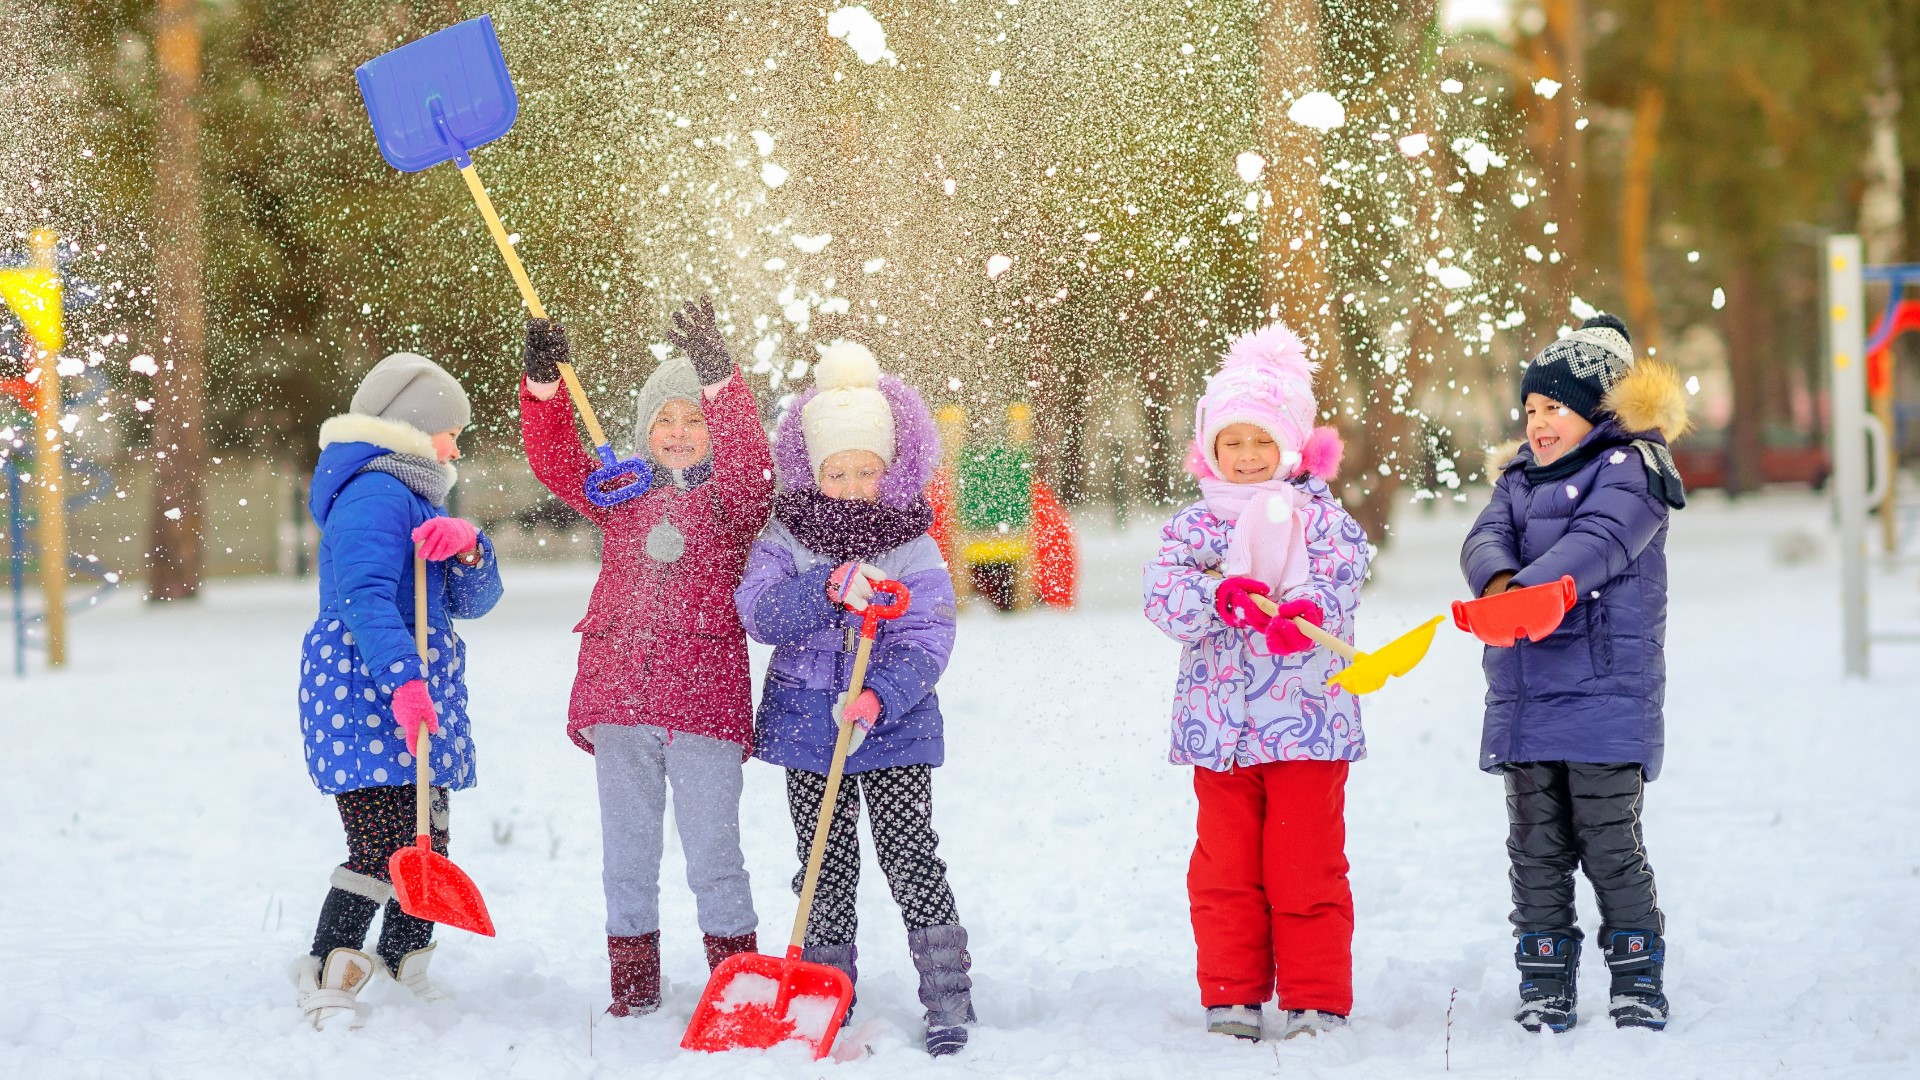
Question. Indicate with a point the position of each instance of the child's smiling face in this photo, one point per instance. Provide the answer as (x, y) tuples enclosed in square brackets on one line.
[(1552, 428), (1247, 454), (446, 446), (679, 437), (852, 474)]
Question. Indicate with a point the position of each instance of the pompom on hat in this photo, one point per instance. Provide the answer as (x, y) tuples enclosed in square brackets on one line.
[(849, 412), (1266, 380)]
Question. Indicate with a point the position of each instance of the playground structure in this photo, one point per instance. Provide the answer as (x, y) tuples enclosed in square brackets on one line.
[(1004, 534), (35, 296), (1862, 370)]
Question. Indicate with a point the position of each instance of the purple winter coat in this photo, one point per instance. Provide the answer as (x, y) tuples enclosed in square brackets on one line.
[(783, 602), (1593, 690)]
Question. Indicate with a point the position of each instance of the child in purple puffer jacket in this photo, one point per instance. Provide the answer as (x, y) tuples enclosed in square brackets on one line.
[(855, 455)]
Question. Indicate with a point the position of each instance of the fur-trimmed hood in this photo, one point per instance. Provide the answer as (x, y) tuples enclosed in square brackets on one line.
[(386, 434), (916, 445), (347, 443)]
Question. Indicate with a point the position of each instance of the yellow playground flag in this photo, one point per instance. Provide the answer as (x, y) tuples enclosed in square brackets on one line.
[(33, 295)]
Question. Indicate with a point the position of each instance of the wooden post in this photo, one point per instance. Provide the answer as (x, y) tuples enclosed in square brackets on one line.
[(49, 465)]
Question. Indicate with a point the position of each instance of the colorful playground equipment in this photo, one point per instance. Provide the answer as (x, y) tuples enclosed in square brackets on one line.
[(36, 298), (1003, 531), (1862, 397)]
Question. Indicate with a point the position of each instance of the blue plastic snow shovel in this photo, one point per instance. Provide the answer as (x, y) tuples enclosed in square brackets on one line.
[(437, 99)]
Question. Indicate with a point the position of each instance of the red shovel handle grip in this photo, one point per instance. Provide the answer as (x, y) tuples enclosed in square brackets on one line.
[(876, 611)]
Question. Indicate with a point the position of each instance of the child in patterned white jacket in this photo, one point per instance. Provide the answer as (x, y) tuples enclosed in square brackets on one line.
[(1268, 739)]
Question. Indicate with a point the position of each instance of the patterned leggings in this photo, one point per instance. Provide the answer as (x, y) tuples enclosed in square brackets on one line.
[(900, 815), (379, 821)]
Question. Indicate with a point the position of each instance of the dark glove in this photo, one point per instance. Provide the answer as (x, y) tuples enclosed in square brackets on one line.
[(546, 350), (697, 333)]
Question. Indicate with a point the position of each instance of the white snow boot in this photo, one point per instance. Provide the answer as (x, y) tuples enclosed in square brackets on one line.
[(1312, 1022), (332, 989), (413, 974), (1239, 1021)]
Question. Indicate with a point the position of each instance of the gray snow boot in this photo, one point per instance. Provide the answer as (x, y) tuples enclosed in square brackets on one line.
[(845, 957), (940, 955)]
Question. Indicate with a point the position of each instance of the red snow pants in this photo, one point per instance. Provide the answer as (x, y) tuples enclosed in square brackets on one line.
[(1268, 886)]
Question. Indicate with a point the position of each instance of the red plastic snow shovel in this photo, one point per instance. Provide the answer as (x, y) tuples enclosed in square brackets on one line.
[(755, 1001), (1504, 618), (437, 99), (426, 883)]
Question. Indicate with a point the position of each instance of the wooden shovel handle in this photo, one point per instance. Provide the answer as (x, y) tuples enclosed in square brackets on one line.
[(519, 272), (1340, 648), (825, 823), (423, 770)]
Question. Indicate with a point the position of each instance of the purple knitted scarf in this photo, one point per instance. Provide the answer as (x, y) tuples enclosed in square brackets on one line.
[(843, 529)]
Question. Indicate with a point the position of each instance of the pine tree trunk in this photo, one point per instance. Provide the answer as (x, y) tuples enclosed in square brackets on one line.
[(1293, 264), (179, 429), (1748, 337), (1636, 183)]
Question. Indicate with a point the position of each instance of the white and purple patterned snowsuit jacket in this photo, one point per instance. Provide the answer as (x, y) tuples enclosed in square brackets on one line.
[(1236, 704)]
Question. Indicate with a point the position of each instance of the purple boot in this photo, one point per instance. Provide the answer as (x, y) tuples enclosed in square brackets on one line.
[(839, 956), (940, 955)]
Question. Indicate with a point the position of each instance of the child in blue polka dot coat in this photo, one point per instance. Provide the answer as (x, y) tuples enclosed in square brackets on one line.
[(379, 490)]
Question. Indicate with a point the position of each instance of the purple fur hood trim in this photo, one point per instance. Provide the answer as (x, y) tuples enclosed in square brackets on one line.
[(916, 446)]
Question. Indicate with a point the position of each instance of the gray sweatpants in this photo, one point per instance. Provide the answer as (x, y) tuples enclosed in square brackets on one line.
[(634, 766)]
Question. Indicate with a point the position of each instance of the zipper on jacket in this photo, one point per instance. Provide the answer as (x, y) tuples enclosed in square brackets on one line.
[(1520, 699)]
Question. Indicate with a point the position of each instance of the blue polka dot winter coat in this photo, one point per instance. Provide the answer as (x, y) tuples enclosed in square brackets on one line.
[(361, 647)]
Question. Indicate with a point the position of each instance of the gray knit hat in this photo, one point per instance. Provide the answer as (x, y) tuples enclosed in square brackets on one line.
[(413, 390), (1579, 369), (672, 379)]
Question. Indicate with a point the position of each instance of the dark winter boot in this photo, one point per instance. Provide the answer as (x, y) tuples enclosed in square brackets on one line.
[(719, 948), (347, 912), (636, 974), (844, 957), (1548, 966), (940, 955), (1639, 999)]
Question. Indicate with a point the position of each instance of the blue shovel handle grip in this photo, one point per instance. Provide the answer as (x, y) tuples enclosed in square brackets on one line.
[(612, 468)]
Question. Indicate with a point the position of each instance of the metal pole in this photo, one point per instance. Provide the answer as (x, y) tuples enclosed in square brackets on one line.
[(1846, 357), (17, 568), (49, 467)]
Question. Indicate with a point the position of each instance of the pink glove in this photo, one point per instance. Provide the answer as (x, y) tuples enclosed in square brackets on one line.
[(1234, 602), (862, 714), (412, 706), (1284, 638), (444, 537), (851, 583)]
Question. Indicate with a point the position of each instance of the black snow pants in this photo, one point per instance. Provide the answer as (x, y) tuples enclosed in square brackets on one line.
[(378, 821), (900, 813), (1567, 814)]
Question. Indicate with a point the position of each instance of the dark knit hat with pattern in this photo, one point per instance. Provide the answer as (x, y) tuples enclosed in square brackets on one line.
[(1579, 369)]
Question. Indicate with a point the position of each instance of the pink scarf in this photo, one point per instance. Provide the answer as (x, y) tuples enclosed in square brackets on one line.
[(1269, 540)]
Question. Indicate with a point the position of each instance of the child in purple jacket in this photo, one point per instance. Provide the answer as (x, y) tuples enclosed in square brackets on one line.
[(1574, 721), (854, 455)]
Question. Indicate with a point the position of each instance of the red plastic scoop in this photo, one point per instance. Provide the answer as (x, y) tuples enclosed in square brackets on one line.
[(1503, 618), (426, 883), (755, 1001)]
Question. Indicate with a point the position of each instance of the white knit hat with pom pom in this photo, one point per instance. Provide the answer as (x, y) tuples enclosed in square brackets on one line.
[(849, 412)]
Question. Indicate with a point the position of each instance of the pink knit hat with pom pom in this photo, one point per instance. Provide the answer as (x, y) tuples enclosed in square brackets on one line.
[(1265, 380)]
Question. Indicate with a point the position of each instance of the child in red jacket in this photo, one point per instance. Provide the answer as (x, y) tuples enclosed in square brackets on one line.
[(663, 697)]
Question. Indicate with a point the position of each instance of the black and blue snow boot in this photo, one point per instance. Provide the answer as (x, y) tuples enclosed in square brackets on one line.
[(1639, 1000), (1548, 966)]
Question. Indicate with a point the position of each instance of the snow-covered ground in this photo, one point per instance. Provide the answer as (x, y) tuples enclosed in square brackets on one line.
[(164, 856)]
